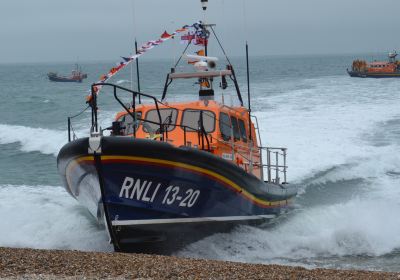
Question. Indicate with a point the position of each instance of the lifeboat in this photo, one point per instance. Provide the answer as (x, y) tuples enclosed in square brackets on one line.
[(376, 69), (167, 173)]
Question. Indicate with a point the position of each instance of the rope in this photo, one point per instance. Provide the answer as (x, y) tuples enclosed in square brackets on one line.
[(220, 45), (80, 113)]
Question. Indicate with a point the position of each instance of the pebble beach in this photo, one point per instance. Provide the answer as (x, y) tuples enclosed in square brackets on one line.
[(58, 264)]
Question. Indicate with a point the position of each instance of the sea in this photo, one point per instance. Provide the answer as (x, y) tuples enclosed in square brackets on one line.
[(342, 135)]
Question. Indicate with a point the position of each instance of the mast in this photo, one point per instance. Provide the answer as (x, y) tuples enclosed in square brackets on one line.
[(206, 85), (204, 6)]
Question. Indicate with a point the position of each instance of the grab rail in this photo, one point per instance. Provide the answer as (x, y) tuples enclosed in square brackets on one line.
[(93, 103), (274, 164)]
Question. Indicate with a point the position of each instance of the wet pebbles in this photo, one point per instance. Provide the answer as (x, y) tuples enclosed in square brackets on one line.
[(56, 264)]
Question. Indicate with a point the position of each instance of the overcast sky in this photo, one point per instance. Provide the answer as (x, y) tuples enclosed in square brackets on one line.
[(60, 30)]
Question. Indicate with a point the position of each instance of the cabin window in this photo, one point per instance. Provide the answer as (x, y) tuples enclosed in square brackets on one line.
[(191, 119), (242, 129), (127, 122), (225, 126), (235, 127), (168, 118)]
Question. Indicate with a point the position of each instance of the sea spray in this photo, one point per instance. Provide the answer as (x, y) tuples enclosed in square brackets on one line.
[(47, 217)]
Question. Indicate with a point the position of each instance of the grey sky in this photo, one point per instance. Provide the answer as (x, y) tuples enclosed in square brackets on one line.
[(55, 30)]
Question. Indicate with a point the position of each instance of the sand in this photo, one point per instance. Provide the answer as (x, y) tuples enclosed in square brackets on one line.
[(57, 264)]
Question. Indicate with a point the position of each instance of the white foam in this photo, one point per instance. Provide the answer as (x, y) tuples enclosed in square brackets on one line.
[(372, 166), (42, 140), (47, 217), (352, 228), (119, 82)]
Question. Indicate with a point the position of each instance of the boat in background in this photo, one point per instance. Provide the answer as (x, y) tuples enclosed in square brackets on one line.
[(376, 69), (76, 76), (169, 173)]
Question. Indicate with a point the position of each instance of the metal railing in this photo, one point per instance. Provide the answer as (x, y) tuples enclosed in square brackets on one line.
[(276, 159), (276, 164), (71, 131)]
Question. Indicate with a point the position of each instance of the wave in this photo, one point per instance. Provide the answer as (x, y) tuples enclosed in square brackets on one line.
[(325, 126), (48, 141), (45, 141), (119, 82), (376, 164), (46, 217)]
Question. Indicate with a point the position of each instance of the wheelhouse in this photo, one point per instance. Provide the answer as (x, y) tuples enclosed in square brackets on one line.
[(205, 124)]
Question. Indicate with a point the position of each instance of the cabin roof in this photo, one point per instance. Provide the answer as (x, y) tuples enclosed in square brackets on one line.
[(210, 105)]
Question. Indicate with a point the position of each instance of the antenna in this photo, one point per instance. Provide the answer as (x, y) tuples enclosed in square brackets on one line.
[(136, 51), (248, 87), (137, 71)]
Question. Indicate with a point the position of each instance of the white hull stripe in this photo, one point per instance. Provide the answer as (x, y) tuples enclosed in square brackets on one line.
[(189, 220)]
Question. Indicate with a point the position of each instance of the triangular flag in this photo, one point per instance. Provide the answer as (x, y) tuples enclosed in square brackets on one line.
[(165, 35), (127, 59), (181, 30)]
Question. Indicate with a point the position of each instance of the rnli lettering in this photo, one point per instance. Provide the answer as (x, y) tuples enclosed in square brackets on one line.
[(143, 190)]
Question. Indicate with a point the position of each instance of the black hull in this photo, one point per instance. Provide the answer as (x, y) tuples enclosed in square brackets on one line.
[(166, 239), (61, 79), (157, 219)]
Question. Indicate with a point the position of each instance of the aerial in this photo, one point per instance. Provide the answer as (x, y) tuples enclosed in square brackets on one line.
[(201, 139)]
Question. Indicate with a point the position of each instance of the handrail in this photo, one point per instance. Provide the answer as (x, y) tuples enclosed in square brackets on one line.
[(273, 164), (163, 128), (135, 93), (258, 138)]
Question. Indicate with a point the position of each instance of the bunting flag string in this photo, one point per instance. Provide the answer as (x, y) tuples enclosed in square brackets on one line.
[(200, 35)]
